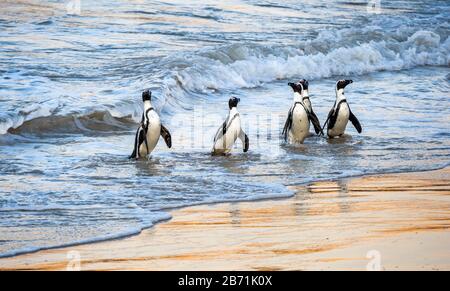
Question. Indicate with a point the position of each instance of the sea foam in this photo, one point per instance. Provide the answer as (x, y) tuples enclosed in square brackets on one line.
[(333, 53)]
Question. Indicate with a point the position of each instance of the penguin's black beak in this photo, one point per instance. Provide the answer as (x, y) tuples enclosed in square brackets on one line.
[(349, 81), (291, 85)]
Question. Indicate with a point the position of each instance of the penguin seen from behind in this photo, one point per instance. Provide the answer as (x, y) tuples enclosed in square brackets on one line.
[(296, 127), (230, 131), (307, 102), (149, 131)]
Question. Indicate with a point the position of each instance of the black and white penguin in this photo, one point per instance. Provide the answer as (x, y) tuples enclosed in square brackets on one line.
[(230, 131), (308, 104), (148, 133), (340, 114), (296, 127)]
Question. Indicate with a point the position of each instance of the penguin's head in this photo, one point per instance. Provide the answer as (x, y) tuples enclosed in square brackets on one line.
[(304, 83), (341, 84), (146, 95), (233, 102), (297, 87)]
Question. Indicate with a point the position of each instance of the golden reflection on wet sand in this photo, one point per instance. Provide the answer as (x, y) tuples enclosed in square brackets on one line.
[(327, 225)]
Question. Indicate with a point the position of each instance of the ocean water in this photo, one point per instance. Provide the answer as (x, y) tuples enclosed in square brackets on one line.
[(70, 85)]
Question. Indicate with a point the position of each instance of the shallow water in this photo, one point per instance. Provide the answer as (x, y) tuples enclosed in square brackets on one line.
[(70, 89)]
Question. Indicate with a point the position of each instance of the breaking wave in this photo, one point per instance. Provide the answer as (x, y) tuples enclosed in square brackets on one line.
[(332, 53), (99, 121), (248, 66)]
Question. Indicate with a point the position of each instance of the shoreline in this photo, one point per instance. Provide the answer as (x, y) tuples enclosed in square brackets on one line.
[(169, 210), (297, 233)]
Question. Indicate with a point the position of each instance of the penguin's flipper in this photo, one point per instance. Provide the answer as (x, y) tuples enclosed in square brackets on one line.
[(221, 131), (224, 127), (138, 140), (287, 125), (133, 155), (333, 117), (315, 121), (166, 136), (355, 122), (245, 141)]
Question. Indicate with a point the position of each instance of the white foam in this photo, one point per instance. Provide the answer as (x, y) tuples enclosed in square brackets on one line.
[(28, 113), (423, 48), (353, 51), (155, 218)]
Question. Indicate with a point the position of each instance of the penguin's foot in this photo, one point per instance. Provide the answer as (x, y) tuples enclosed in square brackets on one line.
[(140, 158), (295, 144), (220, 153)]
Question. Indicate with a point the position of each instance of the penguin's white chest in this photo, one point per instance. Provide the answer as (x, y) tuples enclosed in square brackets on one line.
[(341, 121), (300, 125), (225, 143), (153, 134)]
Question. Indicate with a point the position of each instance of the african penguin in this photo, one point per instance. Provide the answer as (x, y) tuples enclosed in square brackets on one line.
[(340, 114), (308, 105), (296, 127), (150, 129), (229, 131)]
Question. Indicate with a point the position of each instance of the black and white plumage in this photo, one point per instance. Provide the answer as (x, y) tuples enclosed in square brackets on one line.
[(341, 113), (230, 131), (307, 102), (149, 131), (296, 127)]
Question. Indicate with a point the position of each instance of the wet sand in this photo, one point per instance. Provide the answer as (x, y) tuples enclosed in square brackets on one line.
[(387, 222)]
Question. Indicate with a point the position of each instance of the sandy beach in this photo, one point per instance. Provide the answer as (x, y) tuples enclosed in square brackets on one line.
[(381, 222)]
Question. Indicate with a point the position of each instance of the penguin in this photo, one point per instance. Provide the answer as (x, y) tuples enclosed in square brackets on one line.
[(296, 127), (308, 105), (230, 131), (148, 133), (340, 114)]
